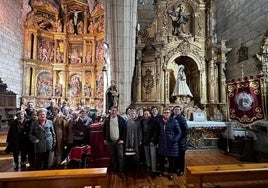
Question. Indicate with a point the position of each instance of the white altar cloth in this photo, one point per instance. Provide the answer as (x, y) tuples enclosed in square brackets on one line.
[(206, 124)]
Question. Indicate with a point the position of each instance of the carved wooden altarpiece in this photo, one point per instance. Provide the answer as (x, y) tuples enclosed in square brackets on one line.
[(182, 33), (63, 53)]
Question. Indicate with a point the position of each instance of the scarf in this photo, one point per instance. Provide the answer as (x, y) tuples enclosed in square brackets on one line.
[(42, 121)]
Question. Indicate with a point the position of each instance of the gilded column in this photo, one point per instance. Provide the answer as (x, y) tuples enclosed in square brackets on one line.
[(211, 81), (85, 21), (33, 87), (28, 81), (224, 50), (35, 50), (138, 68)]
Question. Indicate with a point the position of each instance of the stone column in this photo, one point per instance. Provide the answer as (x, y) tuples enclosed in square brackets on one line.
[(122, 17)]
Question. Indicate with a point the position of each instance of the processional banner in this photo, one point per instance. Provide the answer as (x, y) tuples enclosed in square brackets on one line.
[(245, 101)]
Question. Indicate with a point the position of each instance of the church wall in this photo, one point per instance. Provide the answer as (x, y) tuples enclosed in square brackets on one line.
[(11, 44), (243, 23)]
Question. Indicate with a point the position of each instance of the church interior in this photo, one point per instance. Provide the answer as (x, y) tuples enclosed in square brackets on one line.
[(208, 57)]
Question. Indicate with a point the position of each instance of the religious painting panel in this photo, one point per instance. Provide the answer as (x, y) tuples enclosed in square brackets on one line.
[(89, 52), (99, 85), (99, 51), (88, 86), (148, 84), (75, 85), (44, 84), (59, 81), (59, 51), (75, 53), (45, 50)]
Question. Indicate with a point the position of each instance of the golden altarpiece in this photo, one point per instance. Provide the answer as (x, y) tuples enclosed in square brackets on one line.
[(64, 53), (181, 35)]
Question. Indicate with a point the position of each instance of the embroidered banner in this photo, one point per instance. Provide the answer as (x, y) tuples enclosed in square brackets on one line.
[(245, 101)]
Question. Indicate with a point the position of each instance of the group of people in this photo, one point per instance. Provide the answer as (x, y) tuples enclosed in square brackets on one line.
[(145, 136), (44, 137)]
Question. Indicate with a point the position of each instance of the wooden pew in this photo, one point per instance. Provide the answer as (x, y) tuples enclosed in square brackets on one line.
[(69, 178), (198, 175)]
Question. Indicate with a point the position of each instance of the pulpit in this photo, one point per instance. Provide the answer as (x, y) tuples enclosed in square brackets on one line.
[(100, 154)]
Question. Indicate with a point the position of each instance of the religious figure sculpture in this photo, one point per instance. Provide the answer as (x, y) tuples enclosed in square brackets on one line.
[(179, 19), (181, 87), (112, 95)]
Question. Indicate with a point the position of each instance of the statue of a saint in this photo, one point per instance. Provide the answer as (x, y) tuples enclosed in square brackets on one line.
[(181, 87), (179, 19), (112, 95)]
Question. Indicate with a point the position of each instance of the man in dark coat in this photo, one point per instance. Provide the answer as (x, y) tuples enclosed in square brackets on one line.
[(114, 132)]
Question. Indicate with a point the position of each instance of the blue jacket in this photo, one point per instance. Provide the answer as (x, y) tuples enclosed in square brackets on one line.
[(183, 142), (169, 135)]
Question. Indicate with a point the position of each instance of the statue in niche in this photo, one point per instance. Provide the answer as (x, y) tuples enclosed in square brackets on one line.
[(181, 90), (75, 59), (80, 27), (87, 90), (179, 19), (58, 89), (112, 95), (90, 28), (70, 27), (75, 85), (58, 26)]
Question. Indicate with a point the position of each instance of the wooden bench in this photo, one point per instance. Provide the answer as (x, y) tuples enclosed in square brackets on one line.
[(68, 178), (198, 175)]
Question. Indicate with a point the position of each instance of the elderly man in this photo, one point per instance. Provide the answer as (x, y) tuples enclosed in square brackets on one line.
[(114, 132)]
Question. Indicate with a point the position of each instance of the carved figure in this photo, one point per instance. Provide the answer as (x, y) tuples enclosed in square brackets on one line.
[(181, 87), (58, 89), (112, 95), (179, 19)]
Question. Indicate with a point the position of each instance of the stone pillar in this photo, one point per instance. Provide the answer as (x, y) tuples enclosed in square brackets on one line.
[(122, 17)]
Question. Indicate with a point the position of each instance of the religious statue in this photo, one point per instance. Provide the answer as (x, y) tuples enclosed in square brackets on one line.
[(112, 95), (179, 19), (181, 87)]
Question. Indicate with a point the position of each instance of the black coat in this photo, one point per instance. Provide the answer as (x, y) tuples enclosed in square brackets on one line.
[(122, 129), (17, 136), (149, 131)]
